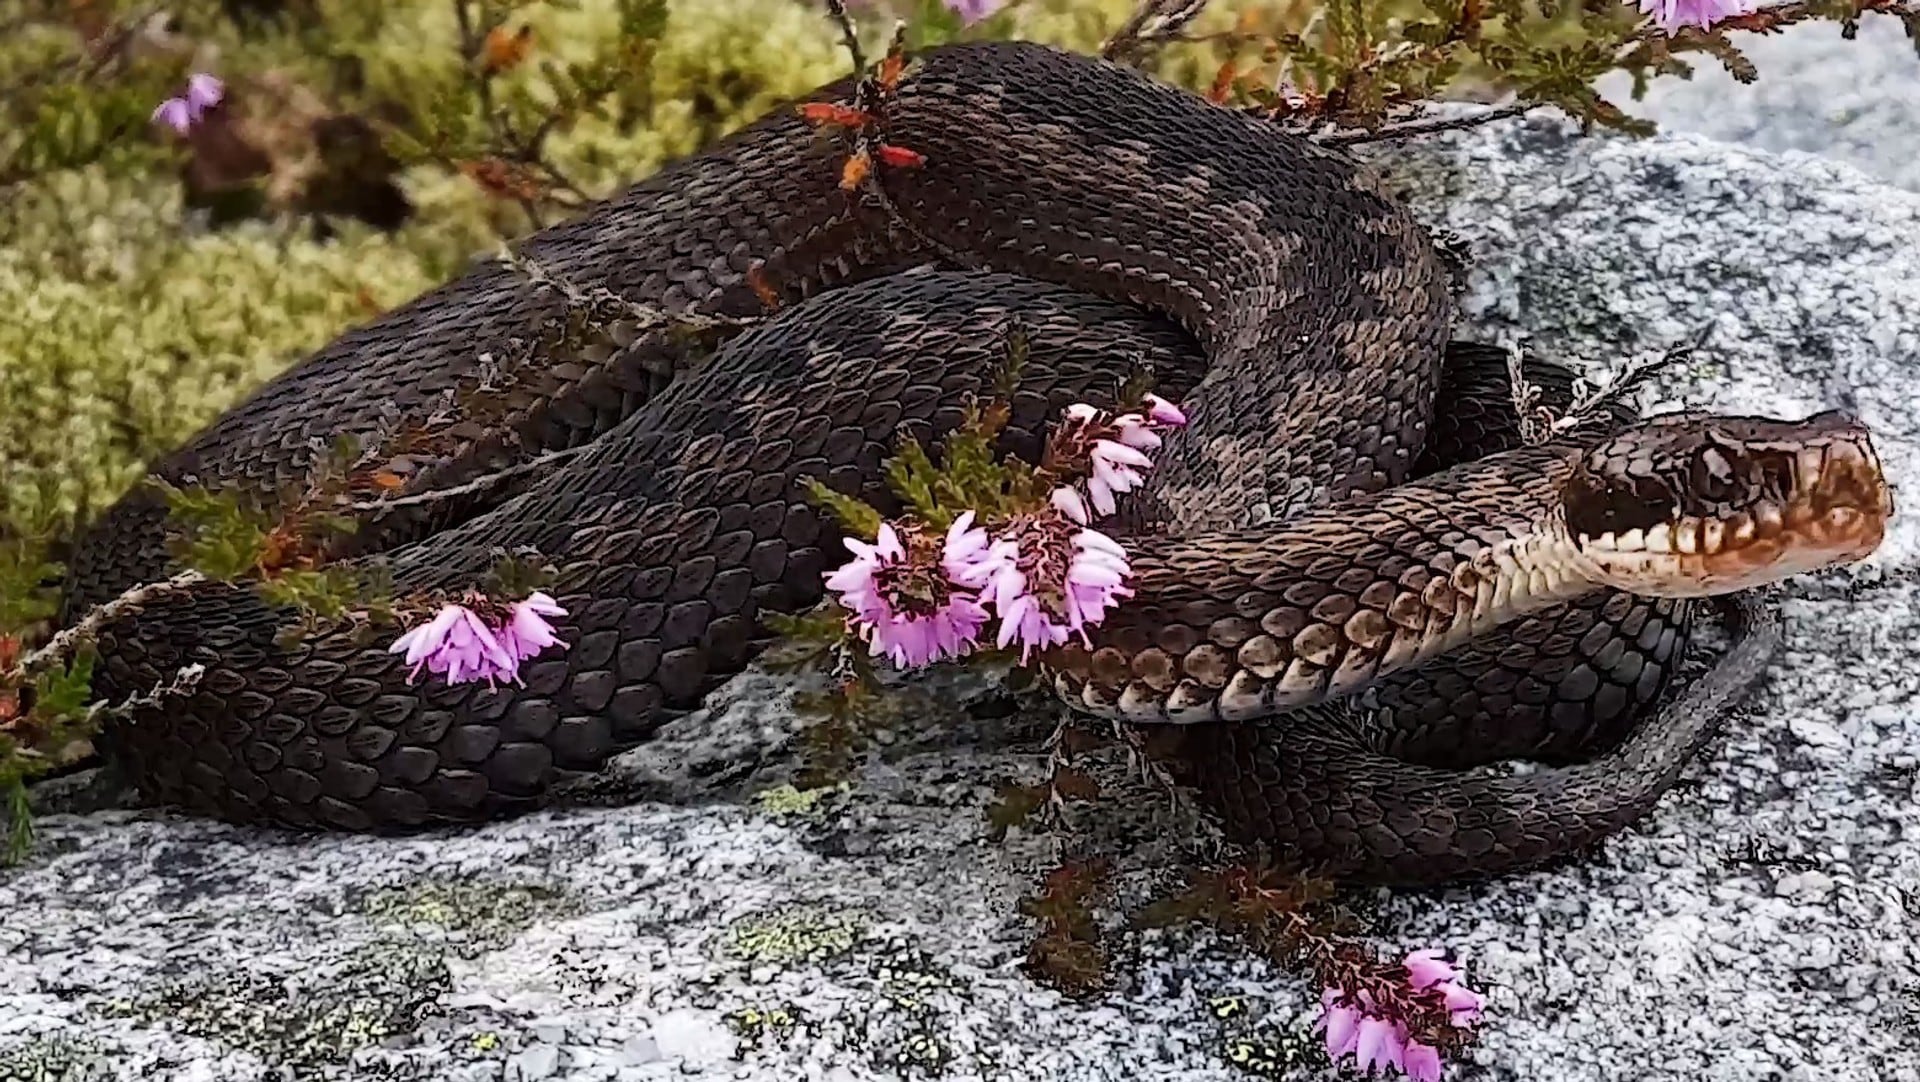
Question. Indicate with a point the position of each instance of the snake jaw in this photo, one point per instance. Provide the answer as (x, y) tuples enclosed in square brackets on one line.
[(1692, 506)]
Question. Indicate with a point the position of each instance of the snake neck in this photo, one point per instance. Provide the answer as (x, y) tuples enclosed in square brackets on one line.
[(1232, 626), (1508, 578)]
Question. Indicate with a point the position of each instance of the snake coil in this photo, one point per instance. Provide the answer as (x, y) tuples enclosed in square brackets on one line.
[(1326, 610)]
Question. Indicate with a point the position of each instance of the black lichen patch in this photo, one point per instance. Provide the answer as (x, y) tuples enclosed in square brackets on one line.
[(54, 1059), (758, 1027), (310, 1017), (911, 1007)]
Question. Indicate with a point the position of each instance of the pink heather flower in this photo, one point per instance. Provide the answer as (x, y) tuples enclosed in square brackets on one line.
[(1113, 450), (1116, 469), (902, 607), (1421, 1062), (175, 113), (965, 555), (458, 645), (1051, 579), (1164, 413), (1672, 15), (462, 646), (1426, 969), (203, 93), (1070, 503), (1376, 1036), (527, 631), (972, 11)]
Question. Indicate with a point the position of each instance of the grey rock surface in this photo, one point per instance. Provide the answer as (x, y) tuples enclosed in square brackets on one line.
[(1818, 93), (1760, 924)]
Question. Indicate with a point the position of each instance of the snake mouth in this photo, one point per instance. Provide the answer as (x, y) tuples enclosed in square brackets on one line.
[(1689, 505)]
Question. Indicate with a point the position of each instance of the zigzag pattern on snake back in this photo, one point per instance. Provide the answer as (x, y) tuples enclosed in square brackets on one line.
[(1275, 288)]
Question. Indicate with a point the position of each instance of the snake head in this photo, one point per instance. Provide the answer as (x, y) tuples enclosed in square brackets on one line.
[(1693, 504)]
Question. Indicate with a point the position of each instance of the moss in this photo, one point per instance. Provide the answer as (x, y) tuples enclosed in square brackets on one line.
[(128, 329), (316, 1017), (796, 935)]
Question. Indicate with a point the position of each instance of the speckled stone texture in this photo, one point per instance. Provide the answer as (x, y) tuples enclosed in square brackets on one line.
[(1761, 924), (1818, 93)]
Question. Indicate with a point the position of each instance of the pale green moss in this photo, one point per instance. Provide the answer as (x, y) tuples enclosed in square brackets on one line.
[(127, 331), (126, 334)]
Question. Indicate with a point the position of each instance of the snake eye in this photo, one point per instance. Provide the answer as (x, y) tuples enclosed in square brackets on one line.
[(1711, 476)]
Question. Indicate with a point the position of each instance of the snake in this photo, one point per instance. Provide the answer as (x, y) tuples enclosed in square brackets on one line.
[(1358, 591)]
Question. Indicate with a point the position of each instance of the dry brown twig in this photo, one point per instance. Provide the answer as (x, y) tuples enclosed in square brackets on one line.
[(870, 99), (469, 487), (1408, 129), (62, 645), (184, 682), (1153, 23)]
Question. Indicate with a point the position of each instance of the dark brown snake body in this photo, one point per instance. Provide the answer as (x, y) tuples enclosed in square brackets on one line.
[(1272, 287)]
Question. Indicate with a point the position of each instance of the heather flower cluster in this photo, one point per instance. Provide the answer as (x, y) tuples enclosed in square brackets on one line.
[(1374, 1030), (1046, 574), (181, 113), (1672, 15), (481, 640)]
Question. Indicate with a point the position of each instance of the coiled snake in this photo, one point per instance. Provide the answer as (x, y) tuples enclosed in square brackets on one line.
[(1343, 626)]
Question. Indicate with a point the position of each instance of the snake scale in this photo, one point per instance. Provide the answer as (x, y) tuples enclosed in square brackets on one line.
[(1356, 584)]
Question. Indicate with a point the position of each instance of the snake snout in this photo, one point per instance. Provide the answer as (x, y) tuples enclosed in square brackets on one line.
[(1689, 505)]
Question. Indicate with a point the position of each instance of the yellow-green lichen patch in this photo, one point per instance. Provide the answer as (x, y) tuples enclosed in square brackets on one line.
[(758, 1027), (796, 935), (814, 805), (481, 913), (908, 1029), (308, 1016), (1257, 1039)]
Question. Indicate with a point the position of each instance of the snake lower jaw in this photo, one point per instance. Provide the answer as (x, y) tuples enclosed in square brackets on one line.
[(1704, 559)]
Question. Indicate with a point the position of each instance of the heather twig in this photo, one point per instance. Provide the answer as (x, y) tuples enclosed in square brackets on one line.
[(870, 155), (478, 484), (600, 298)]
